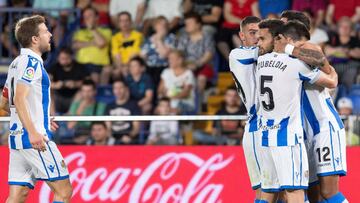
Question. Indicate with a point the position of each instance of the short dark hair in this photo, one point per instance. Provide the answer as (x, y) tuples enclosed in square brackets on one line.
[(249, 20), (121, 81), (66, 50), (193, 15), (272, 24), (138, 59), (26, 28), (296, 15), (124, 13), (89, 8), (98, 123), (89, 83), (295, 30)]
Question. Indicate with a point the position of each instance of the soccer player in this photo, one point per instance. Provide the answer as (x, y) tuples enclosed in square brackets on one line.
[(279, 79), (33, 156), (325, 132), (242, 64)]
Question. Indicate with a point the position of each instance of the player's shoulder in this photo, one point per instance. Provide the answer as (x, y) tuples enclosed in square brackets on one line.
[(245, 55), (243, 50)]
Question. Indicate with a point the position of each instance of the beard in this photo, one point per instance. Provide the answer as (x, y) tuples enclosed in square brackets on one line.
[(45, 48)]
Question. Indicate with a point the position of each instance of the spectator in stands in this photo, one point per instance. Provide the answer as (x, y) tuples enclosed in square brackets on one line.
[(156, 48), (337, 9), (228, 132), (66, 79), (125, 44), (58, 20), (126, 132), (345, 108), (170, 10), (315, 7), (136, 8), (99, 134), (163, 132), (317, 35), (209, 10), (343, 51), (198, 47), (234, 11), (101, 6), (273, 7), (178, 84), (140, 85), (92, 44), (86, 105)]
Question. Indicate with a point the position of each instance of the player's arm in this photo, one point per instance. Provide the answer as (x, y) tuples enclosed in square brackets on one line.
[(311, 56), (4, 103), (329, 81), (22, 107)]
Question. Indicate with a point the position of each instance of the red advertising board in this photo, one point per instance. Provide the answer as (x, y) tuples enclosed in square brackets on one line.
[(142, 174)]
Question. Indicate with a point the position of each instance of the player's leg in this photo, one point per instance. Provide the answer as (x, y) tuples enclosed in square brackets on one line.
[(17, 194), (20, 177), (314, 193), (331, 161), (250, 146), (62, 190), (314, 185)]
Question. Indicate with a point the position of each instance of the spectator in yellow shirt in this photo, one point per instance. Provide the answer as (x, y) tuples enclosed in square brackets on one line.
[(125, 44), (92, 45)]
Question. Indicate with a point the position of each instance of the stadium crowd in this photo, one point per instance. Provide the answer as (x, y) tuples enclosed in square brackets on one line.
[(162, 57)]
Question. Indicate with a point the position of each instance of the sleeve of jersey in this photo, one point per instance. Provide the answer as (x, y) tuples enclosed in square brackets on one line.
[(310, 76), (240, 58), (29, 70)]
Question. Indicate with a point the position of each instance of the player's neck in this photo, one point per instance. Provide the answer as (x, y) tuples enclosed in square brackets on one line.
[(37, 51)]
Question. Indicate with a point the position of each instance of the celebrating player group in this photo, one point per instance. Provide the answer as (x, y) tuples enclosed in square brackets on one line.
[(294, 141)]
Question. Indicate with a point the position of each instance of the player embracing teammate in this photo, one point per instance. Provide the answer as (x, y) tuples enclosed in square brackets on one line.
[(299, 139)]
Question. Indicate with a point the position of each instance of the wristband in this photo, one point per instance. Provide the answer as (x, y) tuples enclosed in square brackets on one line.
[(289, 49)]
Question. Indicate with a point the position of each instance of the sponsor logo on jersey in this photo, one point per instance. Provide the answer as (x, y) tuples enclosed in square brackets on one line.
[(29, 73)]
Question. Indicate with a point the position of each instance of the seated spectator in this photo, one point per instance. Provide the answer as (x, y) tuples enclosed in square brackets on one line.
[(170, 10), (136, 8), (140, 84), (66, 79), (125, 132), (317, 35), (316, 7), (210, 12), (99, 134), (163, 132), (273, 7), (234, 12), (92, 44), (345, 108), (337, 9), (156, 48), (198, 47), (343, 52), (224, 132), (85, 106), (178, 84), (125, 44)]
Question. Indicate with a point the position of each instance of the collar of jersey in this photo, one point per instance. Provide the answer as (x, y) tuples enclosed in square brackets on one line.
[(27, 51)]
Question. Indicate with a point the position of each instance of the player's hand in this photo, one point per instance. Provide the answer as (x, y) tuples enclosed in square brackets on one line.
[(53, 125), (38, 141)]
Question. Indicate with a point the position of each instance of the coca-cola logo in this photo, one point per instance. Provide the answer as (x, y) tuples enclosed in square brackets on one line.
[(160, 181)]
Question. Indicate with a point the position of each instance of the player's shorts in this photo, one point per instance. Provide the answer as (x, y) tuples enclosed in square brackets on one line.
[(283, 168), (29, 165), (250, 145), (327, 154)]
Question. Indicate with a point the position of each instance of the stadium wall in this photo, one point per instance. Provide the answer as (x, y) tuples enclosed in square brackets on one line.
[(162, 174)]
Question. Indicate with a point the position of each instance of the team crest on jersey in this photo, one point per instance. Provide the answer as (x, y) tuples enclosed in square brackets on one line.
[(29, 73), (63, 164)]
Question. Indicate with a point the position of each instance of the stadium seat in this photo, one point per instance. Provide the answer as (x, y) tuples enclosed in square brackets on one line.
[(105, 94), (355, 89), (356, 103)]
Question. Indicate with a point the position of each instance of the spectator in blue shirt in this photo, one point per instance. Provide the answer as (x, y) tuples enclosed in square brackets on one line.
[(140, 85), (156, 48)]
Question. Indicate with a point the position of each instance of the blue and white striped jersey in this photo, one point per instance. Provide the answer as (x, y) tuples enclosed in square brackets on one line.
[(279, 82), (28, 69), (319, 111), (242, 63)]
